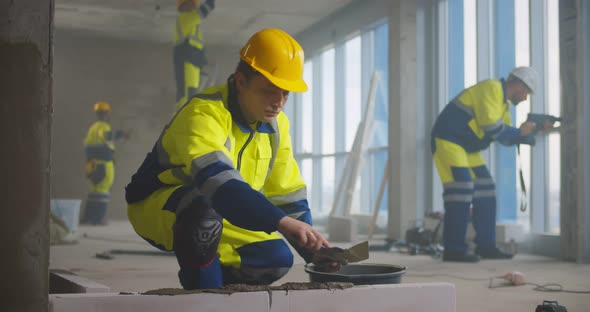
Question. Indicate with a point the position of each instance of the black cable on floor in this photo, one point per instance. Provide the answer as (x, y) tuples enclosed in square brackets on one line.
[(554, 287)]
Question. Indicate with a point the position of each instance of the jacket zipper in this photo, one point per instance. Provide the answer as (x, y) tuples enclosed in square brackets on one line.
[(243, 148)]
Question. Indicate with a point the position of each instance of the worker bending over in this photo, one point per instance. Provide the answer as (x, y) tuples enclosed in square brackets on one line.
[(478, 116)]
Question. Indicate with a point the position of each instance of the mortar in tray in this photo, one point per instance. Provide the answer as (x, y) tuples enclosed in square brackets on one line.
[(359, 274)]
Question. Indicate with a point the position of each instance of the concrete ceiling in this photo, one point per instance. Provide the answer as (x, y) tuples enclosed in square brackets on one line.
[(231, 23)]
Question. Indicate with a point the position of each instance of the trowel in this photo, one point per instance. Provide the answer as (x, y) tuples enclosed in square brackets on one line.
[(356, 253)]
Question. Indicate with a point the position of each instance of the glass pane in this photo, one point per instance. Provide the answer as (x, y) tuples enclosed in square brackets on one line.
[(470, 43), (307, 109), (554, 183), (289, 110), (355, 206), (382, 95), (553, 108), (379, 159), (523, 58), (328, 185), (327, 131), (353, 89), (306, 173)]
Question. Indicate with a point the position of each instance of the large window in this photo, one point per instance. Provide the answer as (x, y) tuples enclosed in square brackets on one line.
[(338, 96)]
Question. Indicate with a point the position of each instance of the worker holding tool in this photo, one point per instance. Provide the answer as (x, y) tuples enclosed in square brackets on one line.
[(221, 179), (99, 146), (189, 56), (478, 116)]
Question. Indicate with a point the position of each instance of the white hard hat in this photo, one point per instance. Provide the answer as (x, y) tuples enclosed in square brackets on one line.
[(527, 75)]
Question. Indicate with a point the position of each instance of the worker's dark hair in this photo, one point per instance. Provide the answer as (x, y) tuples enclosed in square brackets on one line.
[(246, 70)]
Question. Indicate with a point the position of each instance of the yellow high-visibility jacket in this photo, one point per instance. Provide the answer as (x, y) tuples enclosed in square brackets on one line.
[(247, 173), (188, 28), (476, 117), (99, 142)]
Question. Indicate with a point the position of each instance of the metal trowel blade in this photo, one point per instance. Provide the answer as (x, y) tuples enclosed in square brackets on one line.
[(358, 252)]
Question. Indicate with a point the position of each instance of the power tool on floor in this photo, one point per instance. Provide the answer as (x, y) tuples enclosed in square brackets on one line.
[(422, 240), (550, 306)]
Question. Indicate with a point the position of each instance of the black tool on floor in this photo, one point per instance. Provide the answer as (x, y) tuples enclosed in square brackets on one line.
[(421, 240), (418, 239), (550, 306)]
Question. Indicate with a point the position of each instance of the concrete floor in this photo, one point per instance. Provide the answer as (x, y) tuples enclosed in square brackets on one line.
[(139, 273)]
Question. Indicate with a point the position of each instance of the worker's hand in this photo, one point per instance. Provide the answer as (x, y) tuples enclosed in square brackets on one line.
[(325, 263), (302, 233), (527, 128), (548, 125), (123, 135)]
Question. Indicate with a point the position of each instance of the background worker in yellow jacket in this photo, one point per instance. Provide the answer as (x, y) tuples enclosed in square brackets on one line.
[(100, 149), (189, 56), (221, 180), (467, 125)]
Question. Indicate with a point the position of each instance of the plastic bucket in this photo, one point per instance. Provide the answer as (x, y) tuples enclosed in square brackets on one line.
[(68, 210), (359, 274)]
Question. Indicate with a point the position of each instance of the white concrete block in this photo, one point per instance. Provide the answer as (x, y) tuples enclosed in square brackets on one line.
[(438, 297), (280, 300), (61, 282), (342, 229), (206, 302), (507, 232)]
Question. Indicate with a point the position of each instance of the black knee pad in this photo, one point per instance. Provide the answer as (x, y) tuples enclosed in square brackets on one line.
[(197, 232)]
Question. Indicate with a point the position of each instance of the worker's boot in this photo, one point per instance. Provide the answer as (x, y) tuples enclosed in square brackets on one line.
[(459, 256), (493, 253)]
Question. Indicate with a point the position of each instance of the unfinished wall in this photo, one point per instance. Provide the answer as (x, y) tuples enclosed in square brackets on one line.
[(136, 78), (225, 58), (25, 129)]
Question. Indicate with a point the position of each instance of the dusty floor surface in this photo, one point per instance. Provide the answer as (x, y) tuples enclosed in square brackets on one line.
[(138, 268)]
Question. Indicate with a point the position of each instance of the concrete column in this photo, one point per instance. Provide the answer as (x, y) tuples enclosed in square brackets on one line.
[(574, 16), (583, 104), (402, 117), (26, 28)]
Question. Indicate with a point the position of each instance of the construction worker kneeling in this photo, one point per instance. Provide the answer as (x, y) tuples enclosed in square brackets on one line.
[(221, 180)]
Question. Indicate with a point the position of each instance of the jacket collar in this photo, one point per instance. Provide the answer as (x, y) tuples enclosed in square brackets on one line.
[(236, 113)]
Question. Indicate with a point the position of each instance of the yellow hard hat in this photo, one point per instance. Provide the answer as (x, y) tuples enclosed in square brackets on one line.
[(278, 57), (180, 2), (102, 106)]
